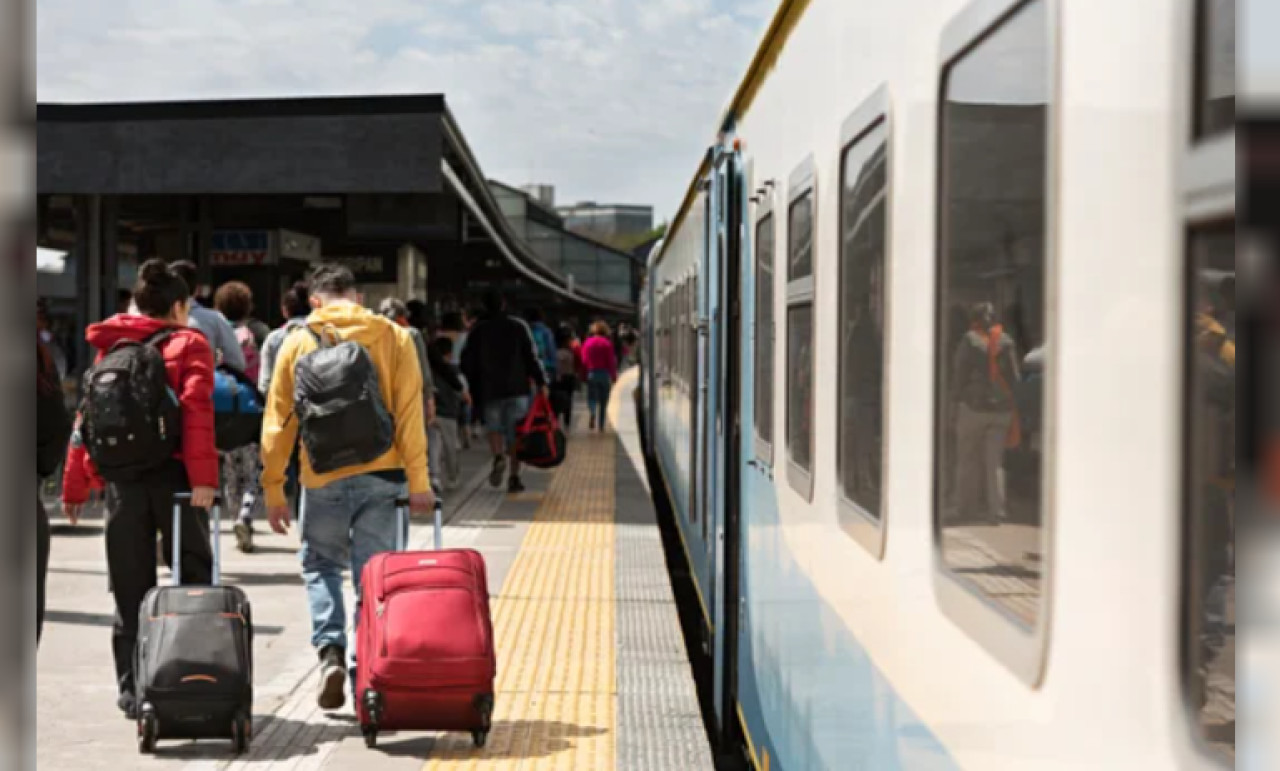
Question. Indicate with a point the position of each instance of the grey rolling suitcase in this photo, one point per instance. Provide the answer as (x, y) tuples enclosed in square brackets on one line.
[(194, 660)]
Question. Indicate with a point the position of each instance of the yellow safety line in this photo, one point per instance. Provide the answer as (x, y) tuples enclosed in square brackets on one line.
[(554, 628)]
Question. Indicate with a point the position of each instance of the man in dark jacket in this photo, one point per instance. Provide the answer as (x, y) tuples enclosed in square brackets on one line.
[(501, 365)]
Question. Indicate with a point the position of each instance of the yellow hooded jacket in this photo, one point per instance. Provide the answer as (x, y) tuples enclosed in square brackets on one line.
[(399, 376)]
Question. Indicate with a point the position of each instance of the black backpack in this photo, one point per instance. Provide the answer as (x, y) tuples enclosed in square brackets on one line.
[(336, 395), (131, 421)]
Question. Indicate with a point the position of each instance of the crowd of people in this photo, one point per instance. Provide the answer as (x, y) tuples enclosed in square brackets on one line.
[(358, 408)]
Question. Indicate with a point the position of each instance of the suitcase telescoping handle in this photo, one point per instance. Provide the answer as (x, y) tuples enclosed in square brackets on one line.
[(402, 525), (215, 527)]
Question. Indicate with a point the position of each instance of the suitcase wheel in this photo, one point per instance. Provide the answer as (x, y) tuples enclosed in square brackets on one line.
[(241, 733), (484, 705), (373, 710), (148, 730)]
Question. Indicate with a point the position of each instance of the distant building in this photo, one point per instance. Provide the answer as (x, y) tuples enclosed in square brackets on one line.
[(543, 194), (609, 223), (586, 263)]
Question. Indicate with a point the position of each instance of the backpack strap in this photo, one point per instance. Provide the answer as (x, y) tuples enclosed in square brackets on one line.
[(329, 331), (158, 338)]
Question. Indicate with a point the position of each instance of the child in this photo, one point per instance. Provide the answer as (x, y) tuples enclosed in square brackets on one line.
[(442, 439)]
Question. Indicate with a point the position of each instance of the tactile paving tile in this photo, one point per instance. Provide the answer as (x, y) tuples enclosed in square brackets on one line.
[(556, 700)]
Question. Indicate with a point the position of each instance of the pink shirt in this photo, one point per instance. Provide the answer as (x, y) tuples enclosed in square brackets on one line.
[(597, 354)]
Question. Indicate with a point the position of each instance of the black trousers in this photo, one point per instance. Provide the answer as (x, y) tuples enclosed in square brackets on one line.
[(562, 392), (135, 512), (42, 562)]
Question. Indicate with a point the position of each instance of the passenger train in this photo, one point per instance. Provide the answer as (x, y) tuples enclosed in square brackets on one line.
[(938, 378)]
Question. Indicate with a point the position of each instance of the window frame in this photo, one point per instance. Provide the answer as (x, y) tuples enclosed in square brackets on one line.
[(1206, 201), (874, 111), (1021, 650), (800, 292), (765, 213)]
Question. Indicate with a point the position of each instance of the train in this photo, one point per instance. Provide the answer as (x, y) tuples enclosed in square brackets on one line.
[(938, 360)]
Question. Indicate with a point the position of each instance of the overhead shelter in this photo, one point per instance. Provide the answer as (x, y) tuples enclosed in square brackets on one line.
[(260, 189)]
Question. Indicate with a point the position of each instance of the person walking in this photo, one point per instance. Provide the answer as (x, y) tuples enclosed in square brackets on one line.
[(53, 427), (241, 467), (397, 312), (544, 340), (216, 328), (143, 505), (565, 386), (502, 367), (984, 369), (442, 438), (351, 477), (295, 306), (601, 363)]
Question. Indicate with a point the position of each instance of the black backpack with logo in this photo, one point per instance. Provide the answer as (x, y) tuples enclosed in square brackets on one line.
[(338, 399), (131, 421)]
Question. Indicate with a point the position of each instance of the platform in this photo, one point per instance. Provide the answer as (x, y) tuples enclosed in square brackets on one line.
[(592, 669)]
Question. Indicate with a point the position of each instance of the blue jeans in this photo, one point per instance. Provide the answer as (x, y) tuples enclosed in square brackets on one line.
[(599, 384), (344, 523), (501, 416)]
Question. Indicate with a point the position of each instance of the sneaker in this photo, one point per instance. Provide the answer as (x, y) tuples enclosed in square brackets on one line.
[(514, 485), (499, 468), (128, 704), (244, 536), (333, 676)]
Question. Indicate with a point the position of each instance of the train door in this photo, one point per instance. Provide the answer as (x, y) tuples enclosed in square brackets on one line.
[(704, 286), (725, 426)]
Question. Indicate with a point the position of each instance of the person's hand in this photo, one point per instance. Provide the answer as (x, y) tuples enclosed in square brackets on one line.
[(202, 497), (431, 410), (72, 511), (466, 398), (422, 503), (278, 518), (544, 390)]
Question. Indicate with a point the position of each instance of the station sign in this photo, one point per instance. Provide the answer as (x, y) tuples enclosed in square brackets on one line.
[(261, 247), (241, 247)]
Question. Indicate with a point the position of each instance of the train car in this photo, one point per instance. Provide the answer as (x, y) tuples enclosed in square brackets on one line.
[(941, 360)]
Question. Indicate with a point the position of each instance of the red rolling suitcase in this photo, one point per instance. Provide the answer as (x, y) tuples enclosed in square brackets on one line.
[(425, 659)]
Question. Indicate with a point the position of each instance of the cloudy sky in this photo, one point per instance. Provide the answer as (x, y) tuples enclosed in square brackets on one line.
[(610, 100)]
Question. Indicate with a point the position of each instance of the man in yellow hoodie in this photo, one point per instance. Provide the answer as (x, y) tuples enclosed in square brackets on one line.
[(347, 513)]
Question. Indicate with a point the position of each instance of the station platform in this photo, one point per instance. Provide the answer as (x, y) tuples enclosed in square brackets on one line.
[(592, 668)]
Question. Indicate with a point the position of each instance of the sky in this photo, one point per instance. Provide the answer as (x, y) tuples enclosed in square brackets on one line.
[(609, 100)]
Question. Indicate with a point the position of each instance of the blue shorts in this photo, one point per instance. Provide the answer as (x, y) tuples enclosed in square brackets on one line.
[(501, 416)]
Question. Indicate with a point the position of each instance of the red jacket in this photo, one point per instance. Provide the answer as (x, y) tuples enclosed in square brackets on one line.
[(188, 363)]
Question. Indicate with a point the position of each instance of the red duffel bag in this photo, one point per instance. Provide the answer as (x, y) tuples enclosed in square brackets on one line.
[(539, 441)]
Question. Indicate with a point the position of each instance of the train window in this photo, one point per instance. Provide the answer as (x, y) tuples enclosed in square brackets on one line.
[(1210, 458), (991, 311), (800, 261), (860, 409), (1208, 633), (1215, 76), (764, 339)]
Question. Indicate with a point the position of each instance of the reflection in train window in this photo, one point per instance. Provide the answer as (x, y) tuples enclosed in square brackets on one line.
[(991, 344), (800, 238), (1216, 67), (862, 266), (800, 340), (764, 331), (800, 384), (1211, 490)]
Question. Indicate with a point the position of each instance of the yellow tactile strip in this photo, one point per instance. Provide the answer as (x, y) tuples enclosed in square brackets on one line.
[(554, 627)]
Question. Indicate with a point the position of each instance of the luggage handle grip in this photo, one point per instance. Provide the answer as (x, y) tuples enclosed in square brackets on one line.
[(215, 527), (402, 524)]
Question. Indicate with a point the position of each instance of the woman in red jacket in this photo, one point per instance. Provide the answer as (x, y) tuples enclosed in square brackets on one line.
[(137, 510)]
